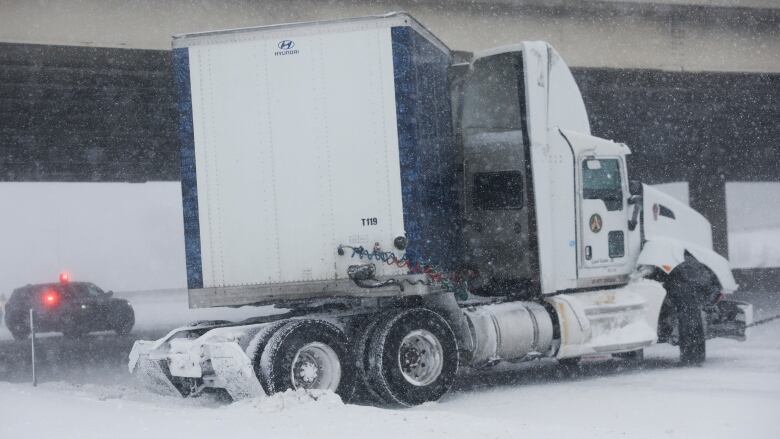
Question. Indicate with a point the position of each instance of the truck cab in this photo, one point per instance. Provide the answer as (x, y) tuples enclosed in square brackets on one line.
[(547, 207)]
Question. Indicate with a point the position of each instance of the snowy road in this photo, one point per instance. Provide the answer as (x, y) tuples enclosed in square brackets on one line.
[(735, 394)]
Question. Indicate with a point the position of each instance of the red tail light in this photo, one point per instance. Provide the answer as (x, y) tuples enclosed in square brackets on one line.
[(64, 277), (50, 299)]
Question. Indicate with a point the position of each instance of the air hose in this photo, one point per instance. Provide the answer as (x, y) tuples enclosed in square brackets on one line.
[(364, 275)]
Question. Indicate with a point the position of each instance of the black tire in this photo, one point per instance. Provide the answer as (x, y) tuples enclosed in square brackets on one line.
[(276, 361), (19, 326), (20, 334), (124, 324), (636, 356), (363, 388), (569, 362), (569, 367), (257, 346), (393, 354)]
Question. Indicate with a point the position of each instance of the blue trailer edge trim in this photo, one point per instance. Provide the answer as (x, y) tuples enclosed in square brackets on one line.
[(426, 136), (189, 181)]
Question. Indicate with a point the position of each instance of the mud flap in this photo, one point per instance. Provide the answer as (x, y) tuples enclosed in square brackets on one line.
[(729, 319), (153, 374), (233, 370)]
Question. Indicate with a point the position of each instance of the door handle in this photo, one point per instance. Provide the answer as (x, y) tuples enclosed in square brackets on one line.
[(588, 253)]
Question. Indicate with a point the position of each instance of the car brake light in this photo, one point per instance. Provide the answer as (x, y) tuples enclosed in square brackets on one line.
[(64, 277), (51, 299)]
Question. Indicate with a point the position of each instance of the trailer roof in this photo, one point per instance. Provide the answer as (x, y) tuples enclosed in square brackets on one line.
[(251, 33)]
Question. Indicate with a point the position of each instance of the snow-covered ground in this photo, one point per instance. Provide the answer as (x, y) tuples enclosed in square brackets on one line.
[(735, 394)]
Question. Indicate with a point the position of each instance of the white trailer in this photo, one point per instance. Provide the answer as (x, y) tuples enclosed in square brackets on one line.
[(414, 210)]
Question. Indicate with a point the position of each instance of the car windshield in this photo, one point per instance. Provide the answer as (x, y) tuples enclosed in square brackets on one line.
[(82, 290)]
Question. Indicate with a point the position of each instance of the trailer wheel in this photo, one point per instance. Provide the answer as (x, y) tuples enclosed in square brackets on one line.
[(307, 354), (413, 357), (256, 347)]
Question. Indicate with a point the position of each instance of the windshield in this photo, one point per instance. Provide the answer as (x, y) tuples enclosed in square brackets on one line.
[(601, 181)]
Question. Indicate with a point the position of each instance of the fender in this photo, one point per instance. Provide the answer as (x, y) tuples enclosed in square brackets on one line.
[(667, 254)]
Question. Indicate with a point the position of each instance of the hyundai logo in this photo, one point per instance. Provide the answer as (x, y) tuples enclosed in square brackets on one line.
[(286, 44)]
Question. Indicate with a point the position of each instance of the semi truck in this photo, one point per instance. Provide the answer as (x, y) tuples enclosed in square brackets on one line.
[(411, 211)]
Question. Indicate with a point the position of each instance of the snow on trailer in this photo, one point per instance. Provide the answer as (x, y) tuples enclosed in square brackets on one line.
[(348, 171)]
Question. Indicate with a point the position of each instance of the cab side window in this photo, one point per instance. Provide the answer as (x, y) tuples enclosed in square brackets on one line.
[(74, 291), (94, 291), (601, 181), (497, 190)]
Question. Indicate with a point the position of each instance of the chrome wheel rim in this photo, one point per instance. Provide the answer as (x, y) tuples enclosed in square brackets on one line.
[(316, 366), (420, 357)]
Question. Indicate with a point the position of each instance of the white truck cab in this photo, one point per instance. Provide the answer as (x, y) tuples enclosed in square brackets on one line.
[(526, 131)]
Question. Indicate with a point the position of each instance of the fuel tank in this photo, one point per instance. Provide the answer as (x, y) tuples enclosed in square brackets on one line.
[(509, 331)]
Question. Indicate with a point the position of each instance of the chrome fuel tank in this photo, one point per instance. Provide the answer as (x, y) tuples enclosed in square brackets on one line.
[(509, 331)]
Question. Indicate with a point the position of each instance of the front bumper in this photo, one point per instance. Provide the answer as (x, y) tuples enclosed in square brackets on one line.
[(730, 319)]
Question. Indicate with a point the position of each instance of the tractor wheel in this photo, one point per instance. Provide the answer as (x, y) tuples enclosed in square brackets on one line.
[(413, 357)]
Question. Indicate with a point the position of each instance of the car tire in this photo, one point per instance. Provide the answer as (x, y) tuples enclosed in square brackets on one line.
[(308, 354), (124, 324), (413, 357), (20, 335)]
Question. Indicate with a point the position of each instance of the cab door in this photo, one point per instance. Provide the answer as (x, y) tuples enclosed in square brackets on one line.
[(603, 218)]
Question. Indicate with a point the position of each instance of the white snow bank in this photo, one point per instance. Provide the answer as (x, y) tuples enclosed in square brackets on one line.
[(289, 400), (753, 223), (754, 248)]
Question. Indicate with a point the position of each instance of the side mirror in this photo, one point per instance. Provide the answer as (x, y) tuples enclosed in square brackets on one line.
[(636, 200), (109, 293)]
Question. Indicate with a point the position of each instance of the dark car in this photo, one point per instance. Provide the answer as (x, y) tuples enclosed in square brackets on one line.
[(73, 308)]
